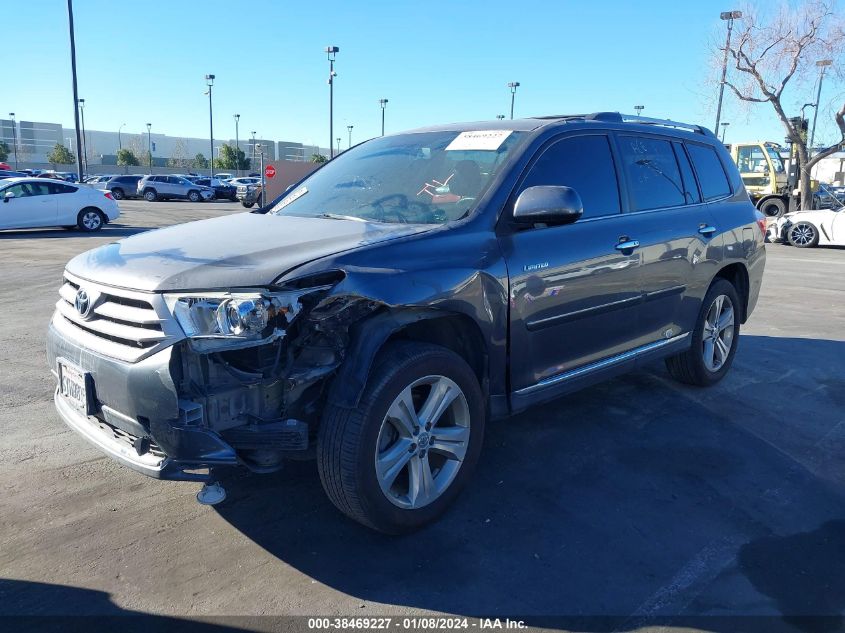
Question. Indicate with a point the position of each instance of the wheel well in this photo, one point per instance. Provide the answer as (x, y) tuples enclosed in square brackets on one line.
[(455, 332), (146, 189), (738, 276)]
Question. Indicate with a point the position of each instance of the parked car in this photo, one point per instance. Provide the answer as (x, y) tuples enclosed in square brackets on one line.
[(154, 188), (828, 196), (222, 190), (806, 229), (49, 174), (223, 175), (124, 186), (68, 176), (11, 174), (38, 202), (383, 309), (5, 166), (245, 180), (249, 194), (99, 181)]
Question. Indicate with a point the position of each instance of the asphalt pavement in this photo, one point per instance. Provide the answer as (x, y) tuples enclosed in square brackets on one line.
[(639, 499)]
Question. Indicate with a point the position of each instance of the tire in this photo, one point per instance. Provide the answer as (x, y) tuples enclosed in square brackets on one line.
[(248, 205), (118, 194), (803, 235), (233, 198), (150, 195), (703, 364), (351, 440), (194, 196), (90, 220), (773, 207)]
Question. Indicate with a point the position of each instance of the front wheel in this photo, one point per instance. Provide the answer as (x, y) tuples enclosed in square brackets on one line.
[(248, 205), (194, 196), (802, 235), (714, 339), (150, 195), (398, 460), (90, 220)]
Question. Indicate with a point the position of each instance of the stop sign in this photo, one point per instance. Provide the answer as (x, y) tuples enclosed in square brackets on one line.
[(269, 171)]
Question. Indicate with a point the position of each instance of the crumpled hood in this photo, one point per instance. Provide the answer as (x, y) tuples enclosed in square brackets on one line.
[(245, 249)]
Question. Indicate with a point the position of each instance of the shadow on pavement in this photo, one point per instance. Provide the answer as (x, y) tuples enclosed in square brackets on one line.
[(110, 230), (631, 499)]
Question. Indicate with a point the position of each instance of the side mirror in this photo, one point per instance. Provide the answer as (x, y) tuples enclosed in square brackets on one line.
[(548, 205), (8, 196)]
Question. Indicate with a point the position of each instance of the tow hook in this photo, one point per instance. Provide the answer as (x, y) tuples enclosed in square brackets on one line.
[(211, 493)]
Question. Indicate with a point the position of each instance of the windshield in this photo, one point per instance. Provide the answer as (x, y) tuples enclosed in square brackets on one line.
[(777, 161), (425, 178)]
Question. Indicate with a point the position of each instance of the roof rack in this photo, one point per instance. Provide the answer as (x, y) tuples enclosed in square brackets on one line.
[(616, 117)]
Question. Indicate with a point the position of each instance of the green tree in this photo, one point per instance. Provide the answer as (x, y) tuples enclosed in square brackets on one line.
[(4, 151), (61, 155), (318, 158), (200, 161), (126, 157), (231, 158)]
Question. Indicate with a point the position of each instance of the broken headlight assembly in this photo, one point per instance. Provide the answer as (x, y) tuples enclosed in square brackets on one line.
[(215, 321)]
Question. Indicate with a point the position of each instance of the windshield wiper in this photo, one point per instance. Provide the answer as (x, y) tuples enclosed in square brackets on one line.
[(338, 216)]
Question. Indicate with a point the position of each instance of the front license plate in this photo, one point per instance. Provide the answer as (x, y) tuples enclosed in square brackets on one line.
[(73, 385)]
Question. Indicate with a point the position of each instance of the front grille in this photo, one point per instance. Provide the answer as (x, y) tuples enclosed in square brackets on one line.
[(123, 324)]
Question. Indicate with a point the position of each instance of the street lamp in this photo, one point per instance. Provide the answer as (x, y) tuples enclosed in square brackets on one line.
[(209, 81), (150, 145), (338, 145), (237, 146), (252, 164), (261, 153), (119, 143), (383, 104), (349, 127), (84, 140), (822, 64), (724, 125), (639, 109), (75, 91), (728, 16), (513, 85), (331, 51), (15, 136)]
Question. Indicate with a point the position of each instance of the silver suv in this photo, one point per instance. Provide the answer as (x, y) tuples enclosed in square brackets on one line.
[(154, 188)]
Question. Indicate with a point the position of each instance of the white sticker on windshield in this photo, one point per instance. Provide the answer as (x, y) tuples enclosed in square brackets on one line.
[(294, 195), (479, 140)]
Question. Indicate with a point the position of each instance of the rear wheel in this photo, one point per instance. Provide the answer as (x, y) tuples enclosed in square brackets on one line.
[(150, 195), (773, 207), (194, 196), (401, 457), (803, 235), (714, 339), (90, 220), (248, 205), (118, 194)]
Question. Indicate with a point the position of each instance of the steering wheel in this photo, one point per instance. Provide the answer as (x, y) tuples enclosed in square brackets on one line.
[(382, 213)]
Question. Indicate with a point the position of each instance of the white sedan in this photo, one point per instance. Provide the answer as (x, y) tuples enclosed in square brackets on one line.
[(805, 229), (36, 202)]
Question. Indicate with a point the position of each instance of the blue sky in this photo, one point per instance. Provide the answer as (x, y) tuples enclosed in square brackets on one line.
[(435, 61)]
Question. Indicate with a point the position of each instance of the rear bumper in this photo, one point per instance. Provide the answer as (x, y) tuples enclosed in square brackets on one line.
[(136, 418)]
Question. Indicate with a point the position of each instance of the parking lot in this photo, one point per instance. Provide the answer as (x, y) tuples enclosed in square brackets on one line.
[(638, 499)]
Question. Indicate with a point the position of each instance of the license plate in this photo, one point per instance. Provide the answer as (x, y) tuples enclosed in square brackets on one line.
[(73, 385)]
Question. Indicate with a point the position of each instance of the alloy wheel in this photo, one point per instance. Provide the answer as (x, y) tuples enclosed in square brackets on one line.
[(422, 442), (91, 220), (803, 234), (718, 338)]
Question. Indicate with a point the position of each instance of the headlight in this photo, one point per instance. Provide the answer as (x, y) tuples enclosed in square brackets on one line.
[(228, 320)]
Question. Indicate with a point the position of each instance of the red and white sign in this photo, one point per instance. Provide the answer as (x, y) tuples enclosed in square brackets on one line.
[(269, 171)]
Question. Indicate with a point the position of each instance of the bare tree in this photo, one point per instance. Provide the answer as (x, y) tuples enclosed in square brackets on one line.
[(773, 52)]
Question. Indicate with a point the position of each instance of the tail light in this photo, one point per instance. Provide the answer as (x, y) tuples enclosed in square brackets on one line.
[(109, 196), (761, 222)]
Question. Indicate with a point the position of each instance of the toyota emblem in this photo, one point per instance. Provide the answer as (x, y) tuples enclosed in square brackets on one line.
[(82, 303)]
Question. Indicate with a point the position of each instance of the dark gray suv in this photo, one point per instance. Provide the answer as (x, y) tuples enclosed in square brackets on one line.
[(382, 311)]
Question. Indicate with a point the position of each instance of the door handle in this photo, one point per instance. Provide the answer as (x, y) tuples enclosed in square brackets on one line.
[(706, 230), (627, 245)]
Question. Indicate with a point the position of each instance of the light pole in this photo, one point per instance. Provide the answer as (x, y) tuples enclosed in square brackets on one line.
[(15, 137), (338, 146), (822, 64), (724, 125), (331, 51), (75, 91), (500, 117), (252, 164), (209, 81), (237, 147), (261, 152), (84, 140), (383, 104), (150, 145), (729, 16), (513, 85), (639, 109), (119, 143), (349, 127)]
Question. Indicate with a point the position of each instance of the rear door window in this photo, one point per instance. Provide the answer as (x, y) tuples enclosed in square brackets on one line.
[(585, 164), (56, 188), (690, 186), (711, 174), (654, 178)]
